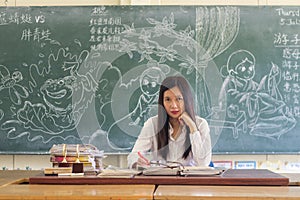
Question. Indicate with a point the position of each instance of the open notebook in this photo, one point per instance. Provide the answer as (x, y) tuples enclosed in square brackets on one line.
[(112, 171), (201, 171), (162, 171), (186, 171)]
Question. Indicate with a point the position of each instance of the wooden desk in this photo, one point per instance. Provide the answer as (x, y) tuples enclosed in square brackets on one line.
[(177, 192), (73, 192), (13, 190), (230, 177), (294, 178), (16, 176)]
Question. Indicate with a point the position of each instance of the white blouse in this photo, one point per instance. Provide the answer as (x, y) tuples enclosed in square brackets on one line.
[(200, 143)]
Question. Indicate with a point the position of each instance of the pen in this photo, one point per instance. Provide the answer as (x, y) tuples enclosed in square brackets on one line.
[(143, 157)]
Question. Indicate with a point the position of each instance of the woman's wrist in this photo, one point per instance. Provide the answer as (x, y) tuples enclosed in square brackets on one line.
[(193, 129), (192, 126)]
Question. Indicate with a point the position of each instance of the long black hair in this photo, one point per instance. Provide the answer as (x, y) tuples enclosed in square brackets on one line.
[(163, 118)]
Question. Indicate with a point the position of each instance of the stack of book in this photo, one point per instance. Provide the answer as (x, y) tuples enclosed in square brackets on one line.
[(83, 158)]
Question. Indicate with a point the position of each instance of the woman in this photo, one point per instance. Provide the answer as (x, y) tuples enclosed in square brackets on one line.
[(176, 134)]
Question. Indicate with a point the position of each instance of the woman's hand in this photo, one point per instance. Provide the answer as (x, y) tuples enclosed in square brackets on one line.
[(186, 119), (140, 162), (143, 162)]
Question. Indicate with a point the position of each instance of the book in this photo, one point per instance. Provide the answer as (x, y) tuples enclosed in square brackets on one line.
[(201, 171), (71, 159), (112, 171), (70, 155), (57, 170), (71, 174), (182, 171), (161, 171), (86, 166)]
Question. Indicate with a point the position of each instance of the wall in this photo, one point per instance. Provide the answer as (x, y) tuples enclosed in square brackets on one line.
[(41, 161), (144, 2)]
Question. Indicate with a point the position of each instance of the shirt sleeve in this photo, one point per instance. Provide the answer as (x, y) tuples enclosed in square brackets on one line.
[(201, 144), (143, 143)]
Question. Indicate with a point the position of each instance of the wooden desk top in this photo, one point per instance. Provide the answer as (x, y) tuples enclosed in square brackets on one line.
[(177, 192), (73, 192), (229, 177), (294, 178), (11, 189), (15, 176)]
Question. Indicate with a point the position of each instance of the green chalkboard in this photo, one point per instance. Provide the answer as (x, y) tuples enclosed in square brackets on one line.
[(91, 74)]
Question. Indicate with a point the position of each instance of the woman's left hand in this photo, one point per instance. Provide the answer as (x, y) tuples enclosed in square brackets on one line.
[(186, 119)]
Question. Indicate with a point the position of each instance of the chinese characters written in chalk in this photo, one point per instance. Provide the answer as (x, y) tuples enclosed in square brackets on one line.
[(24, 18), (290, 45), (35, 35), (104, 30), (28, 34)]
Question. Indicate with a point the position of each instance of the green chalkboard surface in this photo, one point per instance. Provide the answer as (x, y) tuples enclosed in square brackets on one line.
[(91, 74)]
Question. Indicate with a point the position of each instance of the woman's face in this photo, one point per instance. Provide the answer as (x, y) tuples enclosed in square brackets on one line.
[(173, 102)]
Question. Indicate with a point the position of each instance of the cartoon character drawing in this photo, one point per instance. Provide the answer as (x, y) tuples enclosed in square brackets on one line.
[(261, 102), (62, 101), (11, 82), (149, 83), (54, 115)]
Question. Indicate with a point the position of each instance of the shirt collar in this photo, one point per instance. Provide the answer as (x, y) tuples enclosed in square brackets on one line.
[(183, 132)]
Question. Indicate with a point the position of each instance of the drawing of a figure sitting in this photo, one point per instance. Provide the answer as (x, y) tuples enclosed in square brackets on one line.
[(261, 102)]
